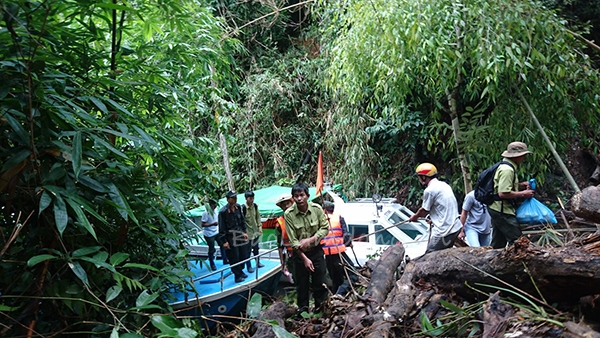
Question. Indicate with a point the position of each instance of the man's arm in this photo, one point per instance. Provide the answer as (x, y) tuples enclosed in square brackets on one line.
[(258, 222), (222, 236), (516, 194), (291, 231), (419, 214)]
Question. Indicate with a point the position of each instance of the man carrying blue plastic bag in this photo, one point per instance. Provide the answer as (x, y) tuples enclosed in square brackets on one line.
[(505, 227)]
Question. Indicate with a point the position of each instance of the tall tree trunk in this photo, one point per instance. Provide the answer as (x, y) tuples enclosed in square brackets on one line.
[(223, 144), (452, 104)]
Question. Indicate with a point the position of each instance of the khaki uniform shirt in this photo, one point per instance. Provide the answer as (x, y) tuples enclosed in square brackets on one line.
[(505, 180), (305, 225), (252, 217)]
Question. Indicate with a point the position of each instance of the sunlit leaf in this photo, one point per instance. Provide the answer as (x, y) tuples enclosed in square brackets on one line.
[(113, 292), (145, 298), (79, 272)]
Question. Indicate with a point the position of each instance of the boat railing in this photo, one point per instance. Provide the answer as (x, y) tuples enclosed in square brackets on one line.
[(390, 227), (222, 271)]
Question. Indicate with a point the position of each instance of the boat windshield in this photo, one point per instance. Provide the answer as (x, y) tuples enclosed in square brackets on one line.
[(384, 237), (407, 228)]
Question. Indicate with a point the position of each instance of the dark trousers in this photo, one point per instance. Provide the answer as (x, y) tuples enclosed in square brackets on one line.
[(302, 278), (440, 243), (505, 227), (335, 267), (237, 253), (210, 241)]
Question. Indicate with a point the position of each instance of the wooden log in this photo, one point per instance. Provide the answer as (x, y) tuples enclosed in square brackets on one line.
[(586, 204), (561, 274), (278, 311), (495, 317), (384, 276), (581, 330)]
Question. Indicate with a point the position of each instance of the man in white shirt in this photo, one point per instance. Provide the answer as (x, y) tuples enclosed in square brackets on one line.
[(210, 228), (440, 203)]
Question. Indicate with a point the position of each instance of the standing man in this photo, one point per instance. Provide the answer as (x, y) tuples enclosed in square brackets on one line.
[(507, 186), (284, 247), (210, 228), (476, 222), (306, 225), (334, 246), (232, 235), (252, 216), (439, 202)]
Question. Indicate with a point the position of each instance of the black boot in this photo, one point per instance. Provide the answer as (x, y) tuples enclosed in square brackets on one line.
[(249, 267), (213, 267), (259, 264)]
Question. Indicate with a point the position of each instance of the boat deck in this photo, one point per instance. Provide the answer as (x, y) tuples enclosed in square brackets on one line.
[(211, 285)]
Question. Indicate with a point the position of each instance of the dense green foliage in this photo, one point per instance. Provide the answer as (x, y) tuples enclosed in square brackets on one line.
[(110, 115), (102, 111), (438, 62)]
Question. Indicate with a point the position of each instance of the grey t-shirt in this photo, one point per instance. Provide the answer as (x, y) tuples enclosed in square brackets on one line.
[(478, 218)]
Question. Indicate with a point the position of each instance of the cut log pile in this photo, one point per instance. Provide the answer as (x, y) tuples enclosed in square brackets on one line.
[(522, 291), (557, 280)]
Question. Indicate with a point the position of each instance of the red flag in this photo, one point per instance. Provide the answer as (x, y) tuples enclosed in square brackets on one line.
[(320, 175)]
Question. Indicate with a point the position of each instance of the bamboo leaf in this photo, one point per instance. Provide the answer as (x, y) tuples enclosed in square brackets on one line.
[(45, 201), (118, 257), (93, 184), (19, 157), (79, 272), (145, 298), (99, 104), (98, 263), (85, 251), (115, 196), (113, 292), (281, 332), (17, 128), (140, 266), (76, 154), (38, 259), (81, 217), (61, 218)]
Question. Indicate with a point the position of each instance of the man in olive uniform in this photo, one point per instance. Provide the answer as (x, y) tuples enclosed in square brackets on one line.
[(306, 226)]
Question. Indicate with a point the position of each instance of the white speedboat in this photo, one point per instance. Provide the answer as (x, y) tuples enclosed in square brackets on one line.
[(377, 223)]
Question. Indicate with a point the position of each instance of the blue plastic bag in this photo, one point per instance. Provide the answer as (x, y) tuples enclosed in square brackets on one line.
[(533, 211)]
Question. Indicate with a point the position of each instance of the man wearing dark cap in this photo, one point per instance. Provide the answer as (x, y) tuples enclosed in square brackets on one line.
[(232, 235), (506, 229)]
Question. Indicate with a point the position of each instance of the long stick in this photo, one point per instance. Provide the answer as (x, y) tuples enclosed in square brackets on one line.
[(558, 159)]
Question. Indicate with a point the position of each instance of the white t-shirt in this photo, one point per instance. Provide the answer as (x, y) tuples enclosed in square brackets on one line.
[(439, 200), (210, 217), (478, 218)]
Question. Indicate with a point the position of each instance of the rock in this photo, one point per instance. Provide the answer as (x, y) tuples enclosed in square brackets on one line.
[(586, 204)]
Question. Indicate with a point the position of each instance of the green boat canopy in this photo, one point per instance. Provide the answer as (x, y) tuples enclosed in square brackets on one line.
[(265, 198)]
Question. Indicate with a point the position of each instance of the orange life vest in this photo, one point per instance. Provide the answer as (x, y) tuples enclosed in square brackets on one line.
[(333, 243), (284, 236)]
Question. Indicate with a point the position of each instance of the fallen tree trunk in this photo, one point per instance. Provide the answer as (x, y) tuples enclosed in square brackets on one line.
[(278, 311), (384, 275), (561, 275)]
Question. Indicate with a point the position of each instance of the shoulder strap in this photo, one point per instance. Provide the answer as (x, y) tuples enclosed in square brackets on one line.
[(244, 209)]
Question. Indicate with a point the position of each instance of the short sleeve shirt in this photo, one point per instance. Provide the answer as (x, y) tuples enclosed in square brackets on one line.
[(210, 217), (478, 218), (505, 180), (439, 200), (305, 225)]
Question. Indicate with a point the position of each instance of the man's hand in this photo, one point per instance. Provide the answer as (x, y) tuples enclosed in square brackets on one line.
[(461, 235), (226, 245), (305, 243), (527, 193), (308, 264), (245, 236)]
